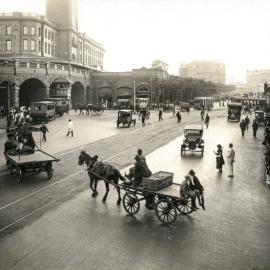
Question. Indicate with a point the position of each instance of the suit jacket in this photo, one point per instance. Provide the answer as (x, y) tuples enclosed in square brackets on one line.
[(196, 184)]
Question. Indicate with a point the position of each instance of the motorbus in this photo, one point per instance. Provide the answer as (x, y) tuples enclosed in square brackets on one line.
[(61, 105), (42, 111), (205, 103)]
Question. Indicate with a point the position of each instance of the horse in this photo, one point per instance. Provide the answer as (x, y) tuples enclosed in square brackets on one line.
[(97, 168)]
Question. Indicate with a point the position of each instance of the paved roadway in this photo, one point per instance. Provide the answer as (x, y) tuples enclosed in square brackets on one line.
[(58, 225)]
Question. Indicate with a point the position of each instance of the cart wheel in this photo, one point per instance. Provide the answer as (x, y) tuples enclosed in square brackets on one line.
[(8, 164), (49, 170), (93, 112), (99, 113), (166, 212), (19, 175), (184, 207), (131, 203)]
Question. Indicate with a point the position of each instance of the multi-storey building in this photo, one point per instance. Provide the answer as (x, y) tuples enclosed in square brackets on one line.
[(204, 70), (256, 80), (43, 56), (127, 87)]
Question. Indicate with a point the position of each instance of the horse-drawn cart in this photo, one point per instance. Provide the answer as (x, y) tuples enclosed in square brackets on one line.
[(28, 164), (166, 202)]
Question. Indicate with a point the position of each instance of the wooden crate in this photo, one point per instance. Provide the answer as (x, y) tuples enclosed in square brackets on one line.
[(158, 180)]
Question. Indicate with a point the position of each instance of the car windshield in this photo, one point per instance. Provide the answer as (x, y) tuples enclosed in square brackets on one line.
[(124, 114), (195, 132)]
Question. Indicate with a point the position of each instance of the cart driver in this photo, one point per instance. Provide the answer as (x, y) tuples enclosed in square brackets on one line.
[(10, 145), (140, 170)]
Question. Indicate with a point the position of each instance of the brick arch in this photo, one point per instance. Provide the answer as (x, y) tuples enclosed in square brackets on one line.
[(32, 89), (77, 93), (21, 79)]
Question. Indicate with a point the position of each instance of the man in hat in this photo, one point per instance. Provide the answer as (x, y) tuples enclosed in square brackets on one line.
[(230, 159), (187, 192), (195, 184), (207, 119), (139, 152), (243, 127), (247, 121), (255, 128), (44, 130), (70, 127), (140, 170)]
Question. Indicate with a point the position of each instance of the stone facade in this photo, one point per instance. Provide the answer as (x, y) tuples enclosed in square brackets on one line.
[(46, 54), (205, 70)]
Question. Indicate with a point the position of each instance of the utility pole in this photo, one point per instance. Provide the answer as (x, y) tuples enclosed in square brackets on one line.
[(134, 96)]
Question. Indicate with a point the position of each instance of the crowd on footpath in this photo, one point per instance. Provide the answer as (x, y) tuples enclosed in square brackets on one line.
[(17, 116), (266, 143)]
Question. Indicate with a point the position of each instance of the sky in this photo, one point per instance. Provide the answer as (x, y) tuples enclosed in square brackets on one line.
[(134, 33)]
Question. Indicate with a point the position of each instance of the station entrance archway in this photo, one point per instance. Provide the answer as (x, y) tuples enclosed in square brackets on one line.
[(31, 90), (77, 94)]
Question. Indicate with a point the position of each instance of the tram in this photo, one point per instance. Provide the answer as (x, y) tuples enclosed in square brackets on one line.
[(205, 103), (257, 103)]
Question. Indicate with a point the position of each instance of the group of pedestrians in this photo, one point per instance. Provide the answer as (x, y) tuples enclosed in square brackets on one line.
[(244, 126), (220, 159), (18, 116)]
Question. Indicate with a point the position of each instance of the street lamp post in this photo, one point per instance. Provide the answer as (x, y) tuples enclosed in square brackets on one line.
[(134, 95)]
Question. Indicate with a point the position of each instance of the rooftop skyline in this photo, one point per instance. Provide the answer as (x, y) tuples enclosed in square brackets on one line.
[(137, 32)]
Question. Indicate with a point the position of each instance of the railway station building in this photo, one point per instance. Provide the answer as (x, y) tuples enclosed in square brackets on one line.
[(46, 56)]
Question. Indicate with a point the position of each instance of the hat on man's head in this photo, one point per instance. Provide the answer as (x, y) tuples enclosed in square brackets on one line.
[(187, 177), (191, 172), (219, 146)]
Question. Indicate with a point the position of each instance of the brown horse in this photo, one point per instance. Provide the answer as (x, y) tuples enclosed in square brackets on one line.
[(97, 168)]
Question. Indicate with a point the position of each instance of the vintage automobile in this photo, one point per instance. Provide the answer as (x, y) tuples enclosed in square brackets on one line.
[(234, 111), (125, 118), (42, 111), (61, 105), (193, 139), (184, 107), (259, 115)]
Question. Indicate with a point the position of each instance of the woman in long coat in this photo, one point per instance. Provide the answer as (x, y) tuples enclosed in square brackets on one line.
[(219, 158)]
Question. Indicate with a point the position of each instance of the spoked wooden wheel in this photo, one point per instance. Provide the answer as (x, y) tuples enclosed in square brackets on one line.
[(49, 170), (184, 207), (99, 112), (19, 174), (165, 211), (93, 112), (131, 203)]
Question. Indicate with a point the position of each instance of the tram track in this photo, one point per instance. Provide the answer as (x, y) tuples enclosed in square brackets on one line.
[(59, 195)]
